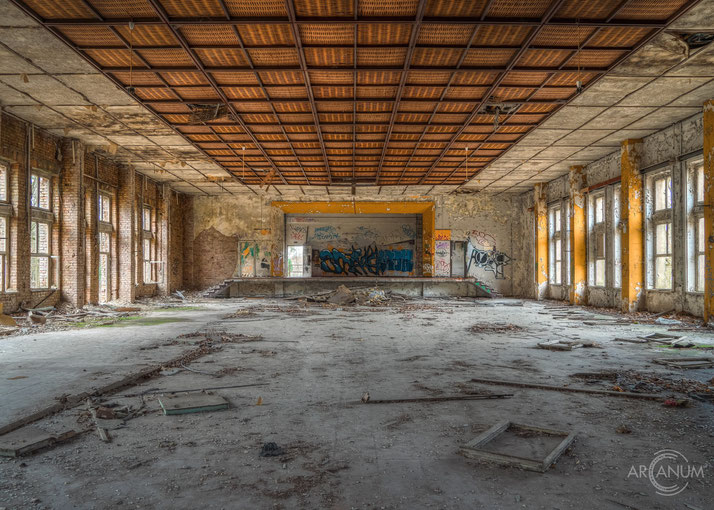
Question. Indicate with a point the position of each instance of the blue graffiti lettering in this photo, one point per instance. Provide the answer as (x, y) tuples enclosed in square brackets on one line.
[(366, 261)]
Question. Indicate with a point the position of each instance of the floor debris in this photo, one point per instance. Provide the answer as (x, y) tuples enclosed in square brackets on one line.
[(271, 450), (566, 345), (704, 362), (367, 400), (192, 403), (478, 448), (30, 439)]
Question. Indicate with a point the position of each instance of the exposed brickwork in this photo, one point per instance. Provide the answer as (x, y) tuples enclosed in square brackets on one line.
[(77, 178)]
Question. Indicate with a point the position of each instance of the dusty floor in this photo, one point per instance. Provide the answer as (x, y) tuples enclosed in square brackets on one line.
[(315, 364)]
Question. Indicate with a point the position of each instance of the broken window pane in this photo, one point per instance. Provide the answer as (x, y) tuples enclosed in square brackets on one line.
[(663, 272)]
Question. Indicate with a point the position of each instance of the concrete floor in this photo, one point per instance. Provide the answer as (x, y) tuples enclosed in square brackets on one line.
[(316, 363)]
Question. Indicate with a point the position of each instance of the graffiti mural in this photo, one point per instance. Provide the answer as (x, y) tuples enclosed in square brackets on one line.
[(442, 258), (367, 261), (254, 259), (489, 260)]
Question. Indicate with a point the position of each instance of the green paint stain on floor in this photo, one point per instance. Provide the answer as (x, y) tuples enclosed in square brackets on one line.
[(142, 321)]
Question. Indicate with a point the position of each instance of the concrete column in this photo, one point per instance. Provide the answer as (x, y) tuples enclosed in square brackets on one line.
[(578, 237), (709, 209), (632, 217), (541, 251), (127, 260), (72, 274)]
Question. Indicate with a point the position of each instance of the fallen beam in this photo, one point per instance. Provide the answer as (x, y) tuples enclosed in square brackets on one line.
[(626, 394), (437, 399)]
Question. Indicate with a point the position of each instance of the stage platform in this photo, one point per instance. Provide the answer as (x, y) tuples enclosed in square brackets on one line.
[(416, 286)]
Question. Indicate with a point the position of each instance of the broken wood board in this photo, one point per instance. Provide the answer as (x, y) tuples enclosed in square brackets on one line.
[(705, 362), (30, 439), (475, 449), (566, 345), (192, 403)]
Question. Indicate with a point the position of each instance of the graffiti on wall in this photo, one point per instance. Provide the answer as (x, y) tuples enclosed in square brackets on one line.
[(483, 239), (366, 261), (489, 260), (297, 234), (442, 258), (254, 259)]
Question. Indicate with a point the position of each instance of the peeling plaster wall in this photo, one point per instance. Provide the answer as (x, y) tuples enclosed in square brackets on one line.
[(665, 150), (486, 222), (523, 246), (221, 224)]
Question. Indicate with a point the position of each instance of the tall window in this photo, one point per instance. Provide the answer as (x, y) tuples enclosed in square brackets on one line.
[(105, 208), (616, 238), (3, 252), (39, 255), (40, 192), (566, 248), (149, 246), (660, 227), (556, 245), (4, 175), (696, 233), (596, 218), (104, 215)]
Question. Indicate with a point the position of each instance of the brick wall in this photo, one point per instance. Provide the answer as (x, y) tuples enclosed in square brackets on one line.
[(78, 176)]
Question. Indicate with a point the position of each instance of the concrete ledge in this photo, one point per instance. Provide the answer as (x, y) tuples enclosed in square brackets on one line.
[(416, 287)]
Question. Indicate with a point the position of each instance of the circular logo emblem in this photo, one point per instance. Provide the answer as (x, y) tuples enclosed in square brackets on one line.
[(668, 472)]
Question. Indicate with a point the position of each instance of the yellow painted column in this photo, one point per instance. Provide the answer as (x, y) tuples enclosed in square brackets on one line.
[(708, 209), (578, 237), (632, 217), (541, 241), (428, 221)]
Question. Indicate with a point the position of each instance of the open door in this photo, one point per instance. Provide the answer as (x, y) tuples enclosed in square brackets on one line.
[(458, 259), (299, 262)]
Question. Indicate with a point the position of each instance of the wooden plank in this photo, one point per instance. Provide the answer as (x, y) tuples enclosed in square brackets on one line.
[(626, 394), (559, 450), (489, 435), (30, 439), (196, 403)]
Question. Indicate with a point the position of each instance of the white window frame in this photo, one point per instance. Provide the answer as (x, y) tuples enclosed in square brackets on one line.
[(4, 244), (35, 252), (655, 218), (617, 236), (555, 244), (36, 191), (696, 235), (4, 182), (597, 227)]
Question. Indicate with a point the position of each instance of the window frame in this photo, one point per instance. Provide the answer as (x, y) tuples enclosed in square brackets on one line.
[(695, 216), (5, 176), (4, 253), (655, 218), (41, 177), (36, 254), (596, 229), (555, 242)]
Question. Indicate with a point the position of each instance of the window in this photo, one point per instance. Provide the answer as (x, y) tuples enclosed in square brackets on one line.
[(39, 255), (104, 258), (566, 249), (556, 245), (597, 241), (146, 218), (105, 208), (3, 252), (616, 238), (40, 192), (151, 266), (148, 277), (659, 210), (4, 175), (696, 233)]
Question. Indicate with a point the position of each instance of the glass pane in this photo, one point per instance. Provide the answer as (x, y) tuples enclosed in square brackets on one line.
[(146, 220), (700, 273), (599, 209), (557, 220), (44, 193), (600, 272), (662, 241), (43, 238), (699, 176), (33, 237), (558, 254), (35, 191), (663, 272), (659, 194), (3, 183), (147, 249), (103, 242), (600, 245), (701, 244), (3, 234), (558, 272)]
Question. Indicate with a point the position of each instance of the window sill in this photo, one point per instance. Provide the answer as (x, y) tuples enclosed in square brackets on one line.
[(661, 291)]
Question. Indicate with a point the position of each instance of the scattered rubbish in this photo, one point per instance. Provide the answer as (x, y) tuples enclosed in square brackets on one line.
[(180, 295), (271, 450), (667, 322), (259, 402), (623, 429), (674, 402), (637, 340), (657, 337), (196, 403), (170, 371), (475, 449), (490, 327), (705, 362), (6, 320), (568, 389), (703, 397), (682, 343), (367, 400), (36, 318), (567, 345), (30, 439), (342, 296), (126, 309), (17, 377)]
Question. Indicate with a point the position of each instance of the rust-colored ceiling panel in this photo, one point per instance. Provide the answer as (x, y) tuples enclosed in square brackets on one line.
[(403, 83)]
